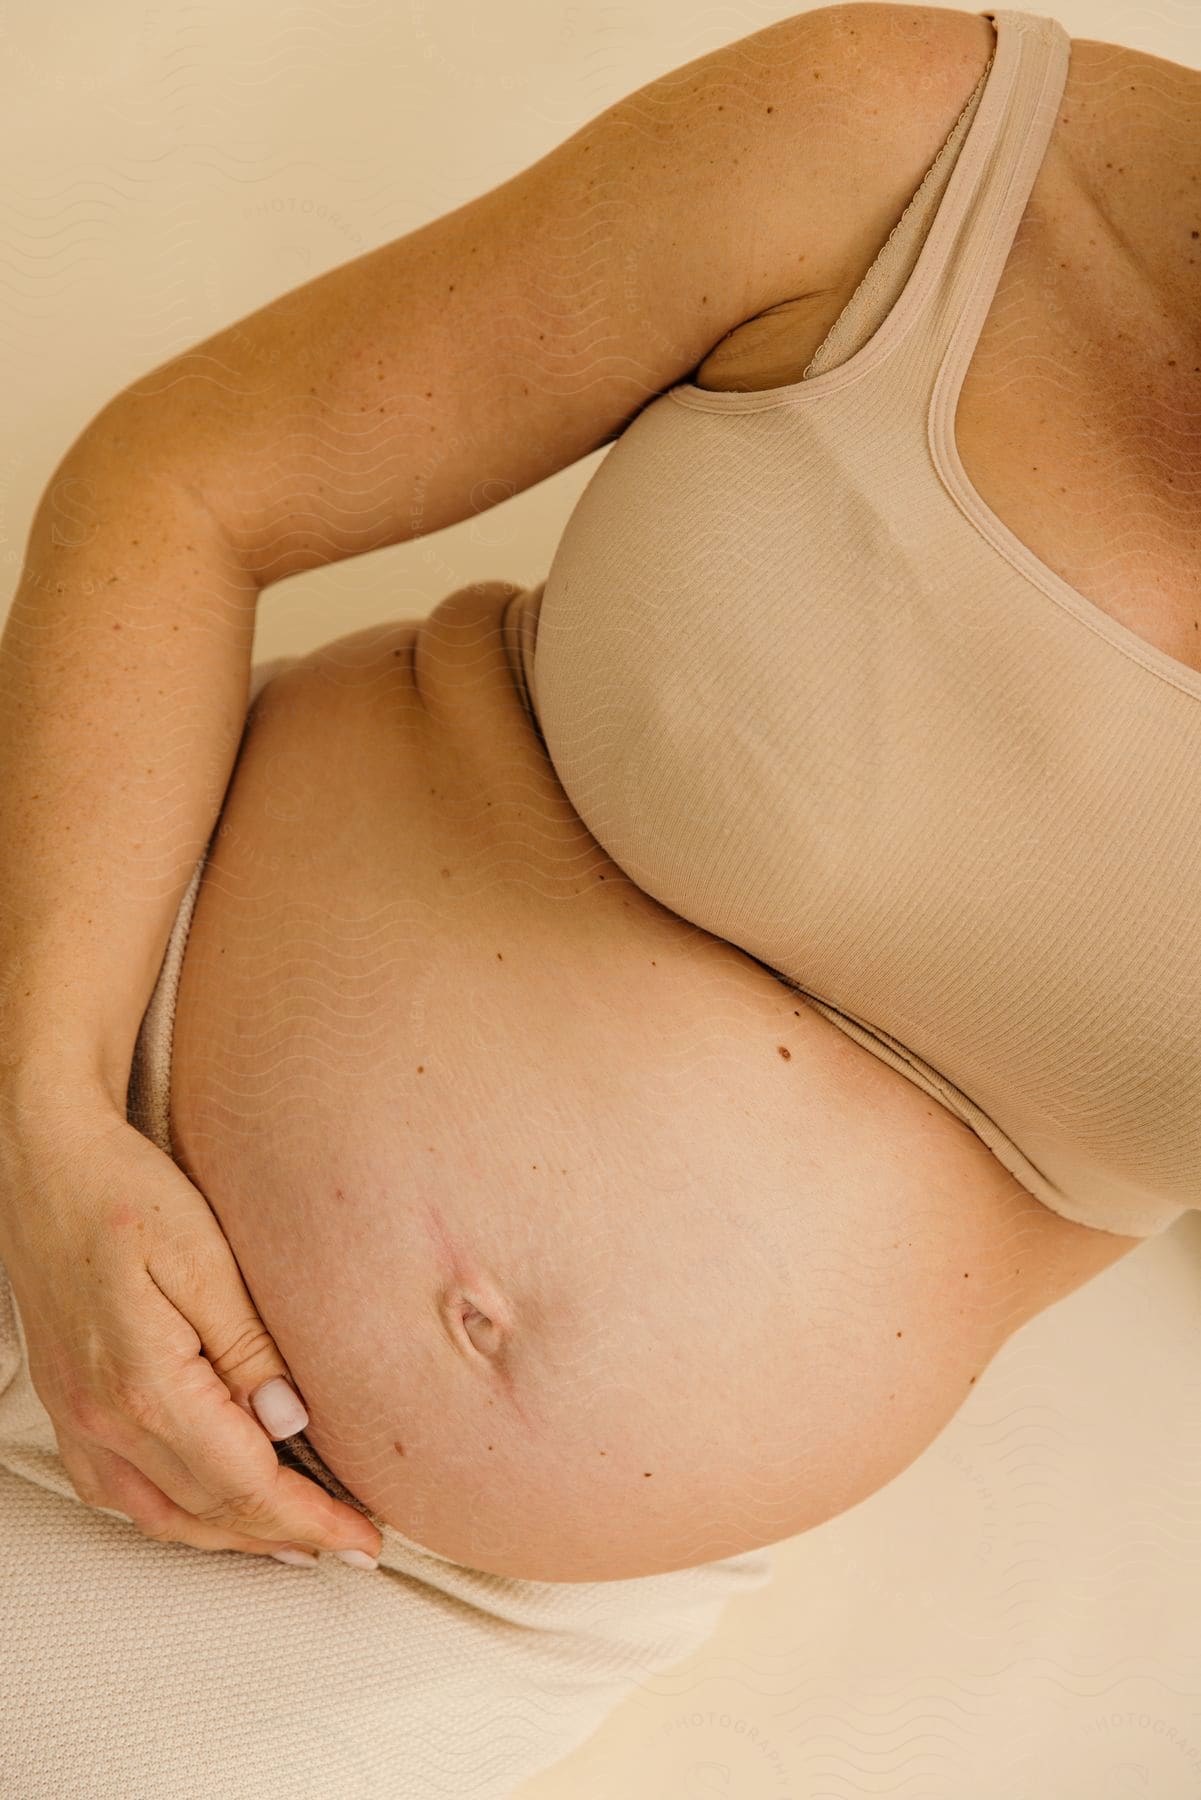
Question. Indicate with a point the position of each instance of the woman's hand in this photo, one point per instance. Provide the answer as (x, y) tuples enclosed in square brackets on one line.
[(146, 1349)]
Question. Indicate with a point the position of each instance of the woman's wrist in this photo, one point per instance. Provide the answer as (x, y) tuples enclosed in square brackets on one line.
[(45, 1107), (44, 1087)]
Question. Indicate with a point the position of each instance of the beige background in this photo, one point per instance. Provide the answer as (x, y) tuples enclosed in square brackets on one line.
[(1019, 1614)]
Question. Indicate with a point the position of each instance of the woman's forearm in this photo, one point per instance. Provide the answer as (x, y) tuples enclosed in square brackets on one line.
[(124, 666)]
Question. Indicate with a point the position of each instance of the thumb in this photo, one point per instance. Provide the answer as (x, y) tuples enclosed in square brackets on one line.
[(279, 1408), (194, 1268), (256, 1375)]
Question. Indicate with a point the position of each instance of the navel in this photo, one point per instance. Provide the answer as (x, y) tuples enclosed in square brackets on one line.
[(484, 1332)]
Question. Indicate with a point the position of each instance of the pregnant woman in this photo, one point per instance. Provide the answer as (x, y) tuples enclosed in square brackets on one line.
[(646, 1040)]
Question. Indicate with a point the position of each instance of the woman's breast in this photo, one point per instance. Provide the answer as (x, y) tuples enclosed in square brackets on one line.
[(558, 1207)]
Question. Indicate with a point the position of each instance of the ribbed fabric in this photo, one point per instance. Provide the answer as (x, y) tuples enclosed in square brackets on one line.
[(131, 1670), (811, 694)]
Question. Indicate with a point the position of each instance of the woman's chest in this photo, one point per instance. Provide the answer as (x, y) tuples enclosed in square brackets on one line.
[(1077, 417)]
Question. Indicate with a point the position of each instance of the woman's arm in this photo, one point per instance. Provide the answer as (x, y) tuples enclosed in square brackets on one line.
[(123, 676), (392, 396), (443, 372), (124, 666)]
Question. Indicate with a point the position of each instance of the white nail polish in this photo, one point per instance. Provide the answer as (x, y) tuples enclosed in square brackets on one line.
[(279, 1409), (358, 1559), (303, 1558)]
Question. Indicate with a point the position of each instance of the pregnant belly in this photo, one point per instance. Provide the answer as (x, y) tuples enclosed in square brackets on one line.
[(593, 1249)]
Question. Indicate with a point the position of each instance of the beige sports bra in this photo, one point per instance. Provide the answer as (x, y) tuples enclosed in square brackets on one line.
[(811, 694)]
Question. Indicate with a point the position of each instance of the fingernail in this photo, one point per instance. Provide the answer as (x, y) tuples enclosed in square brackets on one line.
[(358, 1559), (279, 1409), (305, 1558)]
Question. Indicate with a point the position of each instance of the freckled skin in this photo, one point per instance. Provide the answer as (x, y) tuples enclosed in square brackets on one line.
[(695, 1291)]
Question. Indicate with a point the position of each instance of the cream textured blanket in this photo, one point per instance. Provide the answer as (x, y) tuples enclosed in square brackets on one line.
[(131, 1670)]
